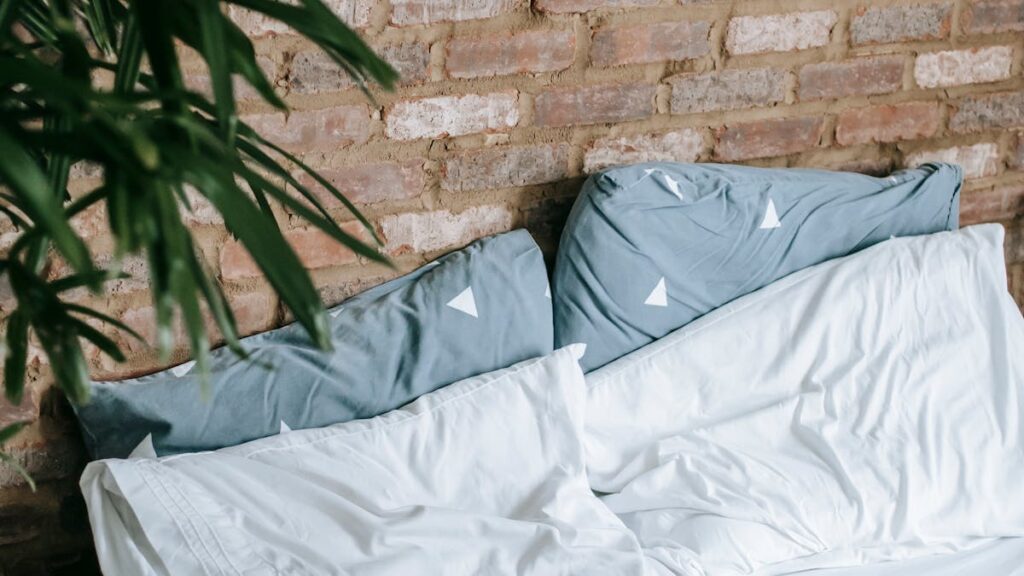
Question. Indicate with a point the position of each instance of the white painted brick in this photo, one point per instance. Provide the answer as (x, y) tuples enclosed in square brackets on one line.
[(978, 161), (355, 13), (678, 146), (969, 66), (430, 231), (779, 32), (452, 115)]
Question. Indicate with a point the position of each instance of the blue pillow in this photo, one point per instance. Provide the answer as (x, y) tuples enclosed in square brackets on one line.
[(474, 311), (651, 247)]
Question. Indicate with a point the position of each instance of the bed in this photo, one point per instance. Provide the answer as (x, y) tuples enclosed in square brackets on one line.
[(853, 408)]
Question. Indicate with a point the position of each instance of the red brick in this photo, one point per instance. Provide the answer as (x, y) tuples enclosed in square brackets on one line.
[(881, 25), (683, 145), (254, 311), (859, 77), (44, 460), (444, 116), (496, 55), (594, 104), (779, 32), (369, 183), (1017, 153), (968, 66), (727, 90), (978, 160), (337, 126), (641, 43), (768, 138), (443, 229), (888, 123), (355, 13), (413, 12), (1014, 246), (505, 167), (313, 71), (976, 113), (26, 411), (1000, 203), (1015, 283), (314, 248), (200, 81), (990, 16), (578, 6)]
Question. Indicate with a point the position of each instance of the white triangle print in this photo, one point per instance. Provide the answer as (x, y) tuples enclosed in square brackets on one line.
[(547, 291), (771, 217), (464, 302), (673, 186), (334, 313), (182, 369), (285, 427), (658, 296), (144, 449), (649, 171)]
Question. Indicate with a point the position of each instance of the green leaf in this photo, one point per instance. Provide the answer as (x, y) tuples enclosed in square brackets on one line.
[(211, 25), (17, 355), (10, 461), (9, 432), (25, 178), (102, 26)]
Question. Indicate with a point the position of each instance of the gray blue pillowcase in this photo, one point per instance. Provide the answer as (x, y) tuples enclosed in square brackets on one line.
[(651, 247), (473, 311)]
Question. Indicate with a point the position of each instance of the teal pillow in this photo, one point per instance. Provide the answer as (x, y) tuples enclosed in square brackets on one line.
[(477, 310), (651, 247)]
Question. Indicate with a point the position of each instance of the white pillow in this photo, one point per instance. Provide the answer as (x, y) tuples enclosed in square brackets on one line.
[(863, 410), (485, 476)]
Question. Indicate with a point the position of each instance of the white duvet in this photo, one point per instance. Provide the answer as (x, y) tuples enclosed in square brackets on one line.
[(866, 410)]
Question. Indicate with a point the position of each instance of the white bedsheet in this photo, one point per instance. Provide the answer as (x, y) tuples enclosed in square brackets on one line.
[(864, 410)]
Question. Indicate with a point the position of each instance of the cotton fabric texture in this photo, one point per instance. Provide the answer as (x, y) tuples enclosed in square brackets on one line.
[(651, 247), (473, 311)]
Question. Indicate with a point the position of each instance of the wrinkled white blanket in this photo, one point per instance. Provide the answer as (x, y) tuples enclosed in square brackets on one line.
[(864, 410)]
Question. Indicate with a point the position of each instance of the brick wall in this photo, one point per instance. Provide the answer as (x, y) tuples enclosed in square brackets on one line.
[(505, 106)]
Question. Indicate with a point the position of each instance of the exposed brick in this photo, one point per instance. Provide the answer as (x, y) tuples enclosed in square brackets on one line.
[(594, 104), (313, 71), (369, 183), (975, 113), (337, 126), (355, 13), (505, 167), (989, 16), (496, 55), (1017, 155), (978, 161), (442, 229), (26, 411), (200, 81), (968, 66), (92, 221), (727, 90), (452, 115), (1014, 248), (314, 248), (578, 6), (888, 123), (779, 32), (683, 145), (1015, 278), (254, 311), (657, 42), (413, 12), (882, 25), (992, 205), (20, 523), (43, 460), (768, 138), (858, 77), (199, 211)]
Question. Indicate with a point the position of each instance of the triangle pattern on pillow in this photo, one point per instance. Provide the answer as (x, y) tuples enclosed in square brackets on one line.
[(658, 296), (464, 302), (145, 449), (771, 217)]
